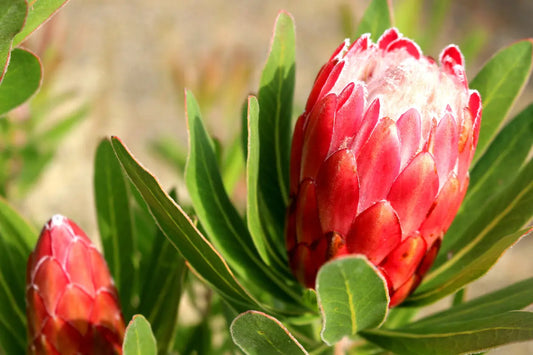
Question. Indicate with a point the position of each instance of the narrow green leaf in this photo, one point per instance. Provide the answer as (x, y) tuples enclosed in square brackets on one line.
[(17, 239), (182, 233), (139, 339), (498, 167), (258, 333), (352, 296), (276, 91), (458, 337), (225, 228), (162, 289), (12, 15), (115, 222), (376, 19), (515, 297), (21, 80), (258, 231), (500, 82), (38, 13)]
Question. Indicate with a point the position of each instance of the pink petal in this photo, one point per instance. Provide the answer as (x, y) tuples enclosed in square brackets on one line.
[(317, 136), (413, 192), (409, 133), (445, 146), (378, 163), (348, 118), (308, 228), (402, 262), (332, 79), (306, 260), (429, 258), (375, 232), (290, 227), (337, 192), (361, 44)]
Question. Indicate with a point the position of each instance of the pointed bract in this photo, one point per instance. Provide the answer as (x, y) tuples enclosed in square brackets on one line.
[(72, 303)]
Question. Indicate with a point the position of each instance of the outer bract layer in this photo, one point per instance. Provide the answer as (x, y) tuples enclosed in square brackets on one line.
[(379, 160), (72, 303)]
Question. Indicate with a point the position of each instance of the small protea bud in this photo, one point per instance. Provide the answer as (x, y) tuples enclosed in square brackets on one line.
[(72, 303), (379, 160)]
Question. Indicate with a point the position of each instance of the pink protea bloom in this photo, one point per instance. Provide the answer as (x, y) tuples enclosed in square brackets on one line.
[(72, 303), (379, 160)]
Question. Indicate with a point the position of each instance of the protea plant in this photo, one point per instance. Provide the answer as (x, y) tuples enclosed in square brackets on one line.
[(379, 160), (72, 303)]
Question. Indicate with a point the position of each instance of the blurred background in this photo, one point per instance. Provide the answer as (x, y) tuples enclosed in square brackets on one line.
[(120, 68)]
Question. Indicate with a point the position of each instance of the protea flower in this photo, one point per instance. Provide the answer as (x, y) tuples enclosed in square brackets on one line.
[(379, 160), (72, 303)]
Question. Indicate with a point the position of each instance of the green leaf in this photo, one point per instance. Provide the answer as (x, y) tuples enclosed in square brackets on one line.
[(12, 15), (115, 222), (38, 13), (183, 234), (260, 236), (162, 289), (276, 91), (498, 167), (21, 80), (352, 296), (500, 82), (457, 337), (376, 19), (258, 333), (232, 165), (515, 297), (139, 339), (225, 228), (17, 239), (495, 230)]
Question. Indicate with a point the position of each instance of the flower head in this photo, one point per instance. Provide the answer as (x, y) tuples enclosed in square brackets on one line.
[(379, 160)]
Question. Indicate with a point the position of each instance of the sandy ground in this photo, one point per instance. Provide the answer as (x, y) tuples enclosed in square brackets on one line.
[(120, 55)]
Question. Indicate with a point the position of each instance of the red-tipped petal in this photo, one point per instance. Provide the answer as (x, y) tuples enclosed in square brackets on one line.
[(403, 261), (442, 211), (404, 290), (429, 258), (387, 37), (306, 260), (51, 280), (75, 307), (317, 136), (296, 154), (337, 192), (413, 192), (410, 134), (321, 78), (368, 124), (79, 267), (474, 106), (406, 44), (308, 228), (101, 277), (36, 310), (106, 312), (378, 163), (348, 118), (445, 149), (64, 337), (375, 232)]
